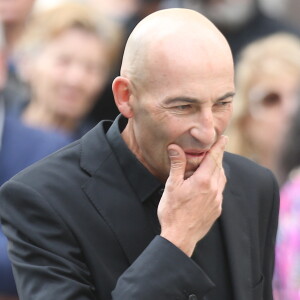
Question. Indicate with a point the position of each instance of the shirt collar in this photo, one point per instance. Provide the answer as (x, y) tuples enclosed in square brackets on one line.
[(141, 180)]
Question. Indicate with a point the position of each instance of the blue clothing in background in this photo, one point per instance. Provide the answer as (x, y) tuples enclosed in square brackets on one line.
[(7, 283), (21, 146)]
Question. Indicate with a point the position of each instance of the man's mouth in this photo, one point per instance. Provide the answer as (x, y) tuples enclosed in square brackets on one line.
[(195, 154)]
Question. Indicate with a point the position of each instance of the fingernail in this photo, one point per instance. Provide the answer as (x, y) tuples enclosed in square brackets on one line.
[(173, 152)]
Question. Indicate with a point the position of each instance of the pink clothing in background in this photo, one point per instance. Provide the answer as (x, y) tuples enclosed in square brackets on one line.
[(287, 269)]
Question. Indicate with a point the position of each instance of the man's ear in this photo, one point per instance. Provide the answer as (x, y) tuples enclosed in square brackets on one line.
[(122, 94)]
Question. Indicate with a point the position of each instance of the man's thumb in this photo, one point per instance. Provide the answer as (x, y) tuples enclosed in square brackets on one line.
[(177, 161)]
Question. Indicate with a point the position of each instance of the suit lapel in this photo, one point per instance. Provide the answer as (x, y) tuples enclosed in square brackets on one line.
[(120, 205), (237, 239)]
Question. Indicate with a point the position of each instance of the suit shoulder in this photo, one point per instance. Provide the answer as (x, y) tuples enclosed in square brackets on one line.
[(235, 160), (52, 166), (244, 168), (67, 167), (254, 183)]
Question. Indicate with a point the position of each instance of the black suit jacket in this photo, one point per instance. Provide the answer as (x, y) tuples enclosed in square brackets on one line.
[(77, 231)]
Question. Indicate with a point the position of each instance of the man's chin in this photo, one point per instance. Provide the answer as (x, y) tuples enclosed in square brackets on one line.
[(189, 173), (192, 166)]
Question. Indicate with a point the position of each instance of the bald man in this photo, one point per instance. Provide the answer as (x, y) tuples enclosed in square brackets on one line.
[(149, 206)]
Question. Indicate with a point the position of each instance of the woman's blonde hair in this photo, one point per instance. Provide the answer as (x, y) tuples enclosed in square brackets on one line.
[(46, 25), (275, 53)]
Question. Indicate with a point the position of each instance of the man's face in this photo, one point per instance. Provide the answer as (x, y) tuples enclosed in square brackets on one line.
[(187, 102), (65, 77)]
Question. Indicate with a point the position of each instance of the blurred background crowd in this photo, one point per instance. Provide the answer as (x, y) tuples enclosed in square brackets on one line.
[(57, 62)]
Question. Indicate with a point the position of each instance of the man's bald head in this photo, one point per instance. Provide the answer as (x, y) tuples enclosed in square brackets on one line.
[(170, 34), (176, 87)]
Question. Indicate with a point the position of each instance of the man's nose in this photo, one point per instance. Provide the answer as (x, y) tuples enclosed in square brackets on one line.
[(204, 130)]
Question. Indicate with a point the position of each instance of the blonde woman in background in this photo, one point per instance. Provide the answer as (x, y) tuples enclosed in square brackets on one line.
[(65, 56), (267, 85)]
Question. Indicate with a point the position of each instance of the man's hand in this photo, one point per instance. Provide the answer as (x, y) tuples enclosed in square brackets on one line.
[(188, 208)]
